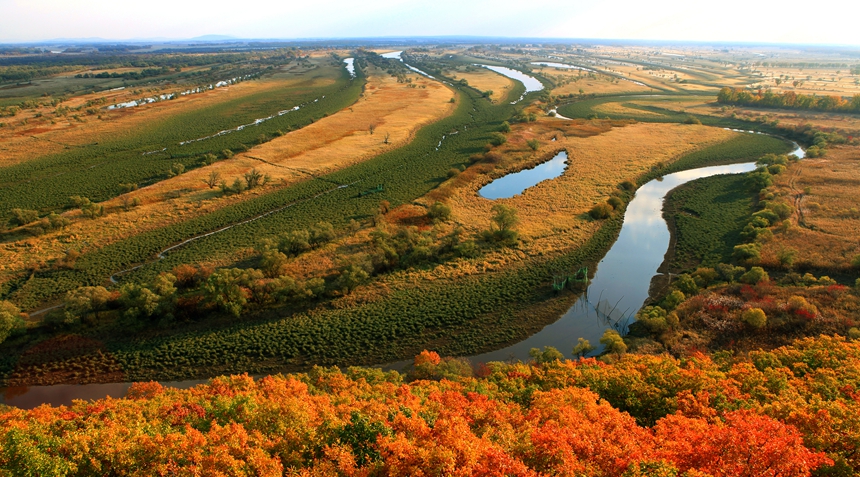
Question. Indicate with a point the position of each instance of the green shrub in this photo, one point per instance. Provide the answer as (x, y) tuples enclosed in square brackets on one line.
[(654, 319), (547, 355), (687, 284), (769, 216), (628, 186), (439, 212), (704, 276), (747, 253), (582, 348), (600, 211), (613, 343), (673, 299), (729, 273), (755, 317), (615, 202), (22, 216), (754, 275), (781, 209)]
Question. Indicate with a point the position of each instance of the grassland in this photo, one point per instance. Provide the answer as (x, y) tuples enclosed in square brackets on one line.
[(440, 307), (45, 133), (575, 82), (826, 224), (706, 218), (328, 144), (96, 171), (485, 80), (600, 157), (456, 305)]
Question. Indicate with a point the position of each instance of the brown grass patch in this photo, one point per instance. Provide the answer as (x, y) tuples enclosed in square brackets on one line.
[(483, 79), (826, 191), (553, 213)]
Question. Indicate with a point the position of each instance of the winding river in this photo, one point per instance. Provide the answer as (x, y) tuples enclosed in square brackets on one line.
[(617, 291)]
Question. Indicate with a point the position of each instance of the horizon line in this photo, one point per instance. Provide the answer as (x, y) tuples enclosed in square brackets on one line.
[(227, 39)]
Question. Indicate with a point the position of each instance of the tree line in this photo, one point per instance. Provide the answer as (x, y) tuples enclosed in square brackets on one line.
[(788, 99)]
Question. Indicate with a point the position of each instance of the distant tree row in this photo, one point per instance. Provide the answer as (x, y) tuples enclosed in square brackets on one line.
[(788, 99), (145, 73)]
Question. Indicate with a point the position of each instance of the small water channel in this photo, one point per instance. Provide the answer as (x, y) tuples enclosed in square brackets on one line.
[(513, 184), (396, 56)]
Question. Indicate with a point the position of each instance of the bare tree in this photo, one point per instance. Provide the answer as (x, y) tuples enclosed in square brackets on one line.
[(371, 128), (387, 136), (213, 179)]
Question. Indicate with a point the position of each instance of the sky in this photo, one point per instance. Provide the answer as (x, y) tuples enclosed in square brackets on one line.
[(786, 21)]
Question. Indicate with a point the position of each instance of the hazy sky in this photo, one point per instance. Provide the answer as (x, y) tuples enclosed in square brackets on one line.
[(787, 21)]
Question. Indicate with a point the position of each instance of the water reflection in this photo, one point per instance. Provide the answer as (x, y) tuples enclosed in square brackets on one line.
[(531, 84), (620, 286), (513, 184)]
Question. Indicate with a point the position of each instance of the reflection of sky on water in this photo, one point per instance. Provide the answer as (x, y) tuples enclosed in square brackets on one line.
[(513, 184), (621, 282), (530, 83)]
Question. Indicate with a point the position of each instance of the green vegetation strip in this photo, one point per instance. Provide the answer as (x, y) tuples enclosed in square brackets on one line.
[(708, 216), (96, 171)]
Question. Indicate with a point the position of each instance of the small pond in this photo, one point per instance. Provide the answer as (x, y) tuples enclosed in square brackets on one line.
[(513, 184)]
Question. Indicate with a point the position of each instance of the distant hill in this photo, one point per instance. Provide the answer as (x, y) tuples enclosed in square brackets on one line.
[(213, 38)]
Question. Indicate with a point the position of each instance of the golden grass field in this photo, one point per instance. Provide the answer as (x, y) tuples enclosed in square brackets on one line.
[(39, 137), (326, 145), (483, 79), (552, 214), (826, 190), (570, 82)]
